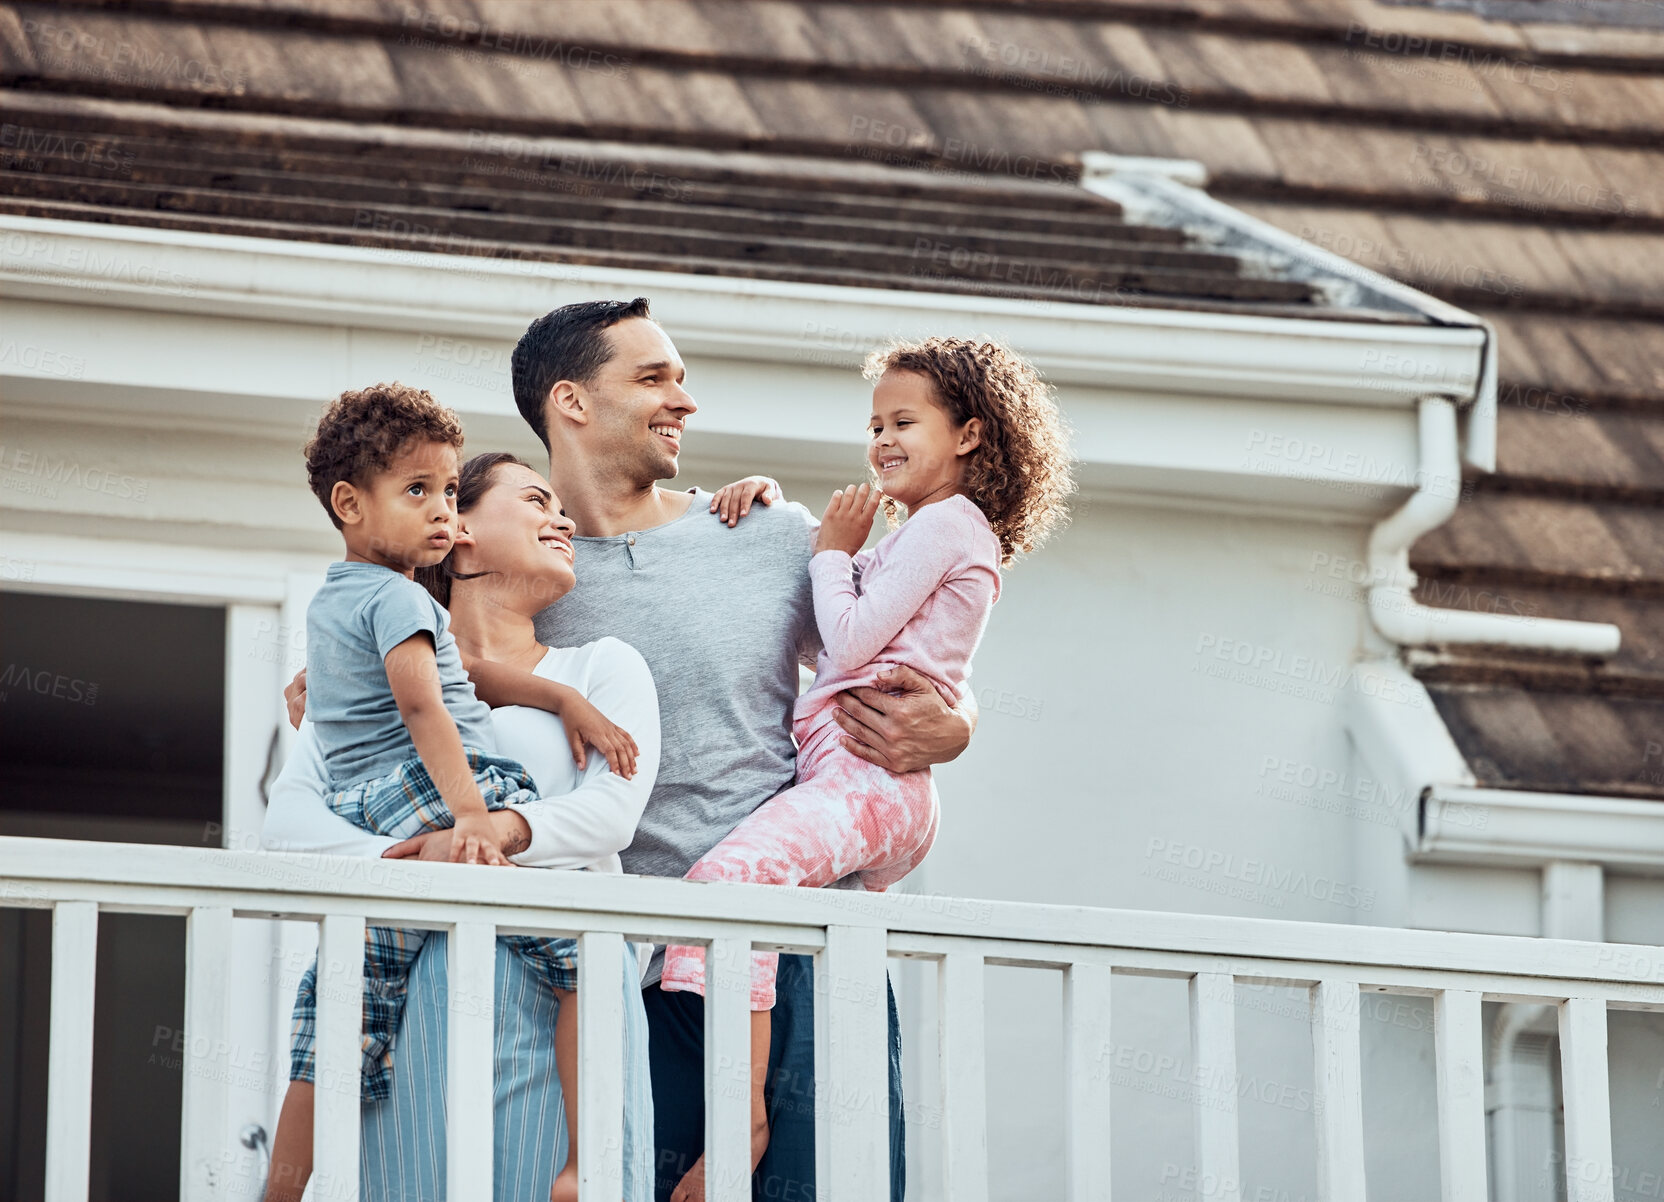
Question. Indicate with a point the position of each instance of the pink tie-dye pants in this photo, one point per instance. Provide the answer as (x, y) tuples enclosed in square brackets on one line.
[(844, 815)]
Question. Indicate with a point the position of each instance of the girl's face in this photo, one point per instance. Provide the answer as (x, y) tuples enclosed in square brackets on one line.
[(916, 449), (517, 531)]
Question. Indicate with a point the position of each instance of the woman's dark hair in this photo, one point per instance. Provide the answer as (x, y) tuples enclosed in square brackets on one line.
[(570, 343), (473, 481)]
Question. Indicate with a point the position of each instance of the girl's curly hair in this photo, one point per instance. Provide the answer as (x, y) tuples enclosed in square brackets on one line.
[(1022, 475), (360, 432)]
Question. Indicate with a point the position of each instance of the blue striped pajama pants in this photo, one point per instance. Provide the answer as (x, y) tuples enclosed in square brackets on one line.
[(403, 1156)]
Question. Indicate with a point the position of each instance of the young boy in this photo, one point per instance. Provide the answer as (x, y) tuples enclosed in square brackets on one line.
[(406, 744)]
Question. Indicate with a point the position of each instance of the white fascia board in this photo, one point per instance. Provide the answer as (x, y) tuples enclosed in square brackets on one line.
[(1167, 350), (1504, 827), (182, 574), (1301, 418)]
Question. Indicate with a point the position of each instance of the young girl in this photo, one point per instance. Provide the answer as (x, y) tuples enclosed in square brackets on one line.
[(967, 438)]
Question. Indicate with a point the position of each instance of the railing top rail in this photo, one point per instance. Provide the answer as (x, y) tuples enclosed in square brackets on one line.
[(39, 871)]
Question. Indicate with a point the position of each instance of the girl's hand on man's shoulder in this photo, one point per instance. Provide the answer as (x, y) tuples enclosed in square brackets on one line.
[(733, 501)]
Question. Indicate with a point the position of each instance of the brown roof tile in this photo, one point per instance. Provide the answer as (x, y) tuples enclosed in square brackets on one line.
[(1572, 742), (1511, 535)]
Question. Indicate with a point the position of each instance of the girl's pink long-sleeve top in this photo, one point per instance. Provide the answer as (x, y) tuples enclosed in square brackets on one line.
[(920, 597)]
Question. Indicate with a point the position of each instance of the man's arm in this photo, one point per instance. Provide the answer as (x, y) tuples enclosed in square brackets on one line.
[(904, 725)]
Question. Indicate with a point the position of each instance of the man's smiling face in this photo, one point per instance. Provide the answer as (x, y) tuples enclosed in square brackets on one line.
[(640, 406)]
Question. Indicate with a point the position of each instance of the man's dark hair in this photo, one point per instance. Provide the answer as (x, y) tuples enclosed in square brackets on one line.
[(568, 344)]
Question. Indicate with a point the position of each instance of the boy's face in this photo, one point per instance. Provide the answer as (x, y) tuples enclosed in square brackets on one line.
[(405, 518)]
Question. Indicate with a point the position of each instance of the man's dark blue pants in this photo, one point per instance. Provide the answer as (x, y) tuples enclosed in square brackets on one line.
[(676, 1048)]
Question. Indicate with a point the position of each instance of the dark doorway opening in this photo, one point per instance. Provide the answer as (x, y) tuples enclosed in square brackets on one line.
[(111, 728)]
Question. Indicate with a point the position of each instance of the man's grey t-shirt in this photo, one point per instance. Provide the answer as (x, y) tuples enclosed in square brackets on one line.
[(360, 614), (723, 617)]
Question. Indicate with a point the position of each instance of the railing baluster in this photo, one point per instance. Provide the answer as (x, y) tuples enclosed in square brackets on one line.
[(600, 1148), (728, 1071), (69, 1052), (1338, 1068), (852, 1086), (1086, 1060), (961, 1022), (1588, 1099), (207, 1086), (335, 1116), (1458, 1038), (470, 1026), (1213, 1055)]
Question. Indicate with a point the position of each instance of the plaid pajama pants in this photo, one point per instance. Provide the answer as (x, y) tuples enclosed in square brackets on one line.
[(402, 804)]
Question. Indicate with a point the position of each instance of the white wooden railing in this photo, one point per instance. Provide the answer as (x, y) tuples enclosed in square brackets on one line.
[(851, 935)]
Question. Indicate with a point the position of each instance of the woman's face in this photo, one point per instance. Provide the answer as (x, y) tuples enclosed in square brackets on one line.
[(517, 532)]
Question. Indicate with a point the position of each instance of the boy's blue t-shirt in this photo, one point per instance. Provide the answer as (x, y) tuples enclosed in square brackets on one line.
[(360, 614)]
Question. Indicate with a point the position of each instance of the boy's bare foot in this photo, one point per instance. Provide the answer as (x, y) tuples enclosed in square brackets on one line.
[(566, 1183)]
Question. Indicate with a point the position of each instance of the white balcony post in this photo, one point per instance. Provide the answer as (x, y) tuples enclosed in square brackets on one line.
[(1087, 1081), (852, 1083), (339, 1068), (1213, 1056), (1459, 1043), (728, 1070), (1588, 1098), (961, 1023), (208, 1053), (69, 1052), (1337, 1064), (470, 1025), (600, 1149)]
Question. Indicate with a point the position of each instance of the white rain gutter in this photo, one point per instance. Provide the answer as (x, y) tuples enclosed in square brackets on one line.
[(1459, 824), (1400, 618), (1330, 362)]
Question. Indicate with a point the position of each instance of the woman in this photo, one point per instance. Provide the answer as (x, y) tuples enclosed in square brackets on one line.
[(512, 558)]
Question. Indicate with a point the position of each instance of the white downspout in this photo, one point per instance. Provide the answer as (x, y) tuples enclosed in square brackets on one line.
[(1520, 1098), (1400, 618), (1520, 1104)]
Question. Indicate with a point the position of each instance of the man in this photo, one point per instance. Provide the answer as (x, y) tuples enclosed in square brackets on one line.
[(723, 617)]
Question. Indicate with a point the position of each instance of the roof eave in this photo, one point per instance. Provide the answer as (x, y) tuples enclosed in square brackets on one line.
[(1171, 192), (1366, 363)]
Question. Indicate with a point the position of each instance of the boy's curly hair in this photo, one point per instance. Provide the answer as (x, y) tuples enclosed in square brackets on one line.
[(360, 432), (1021, 476)]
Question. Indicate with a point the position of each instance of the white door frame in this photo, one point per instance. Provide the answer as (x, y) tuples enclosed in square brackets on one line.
[(264, 595)]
